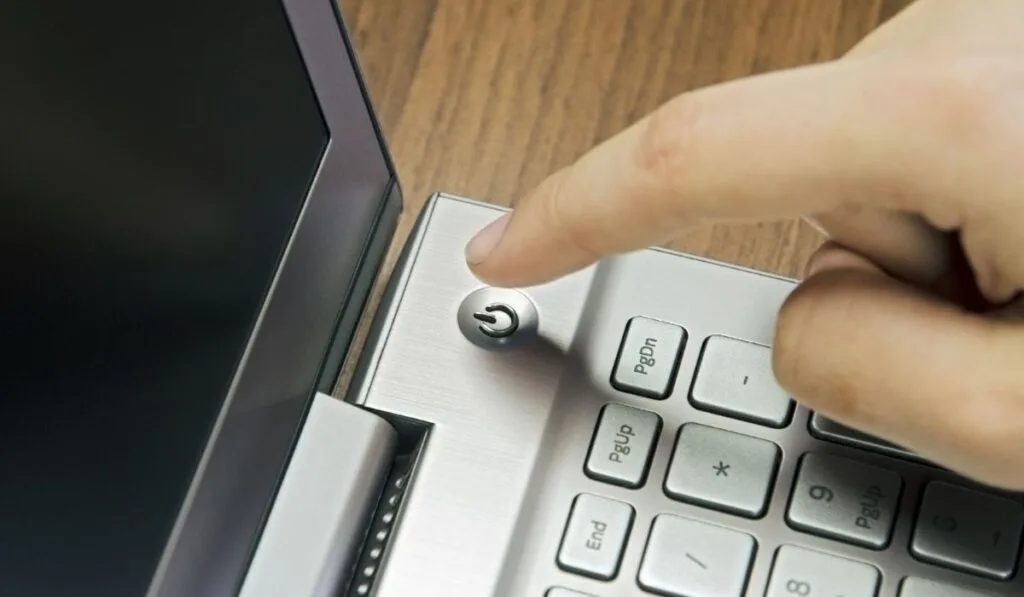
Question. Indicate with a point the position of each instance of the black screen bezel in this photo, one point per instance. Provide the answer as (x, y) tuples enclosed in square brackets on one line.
[(305, 329)]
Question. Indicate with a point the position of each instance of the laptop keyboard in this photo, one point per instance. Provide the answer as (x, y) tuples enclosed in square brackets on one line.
[(956, 527)]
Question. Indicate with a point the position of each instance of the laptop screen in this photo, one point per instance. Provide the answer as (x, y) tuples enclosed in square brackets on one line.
[(154, 159)]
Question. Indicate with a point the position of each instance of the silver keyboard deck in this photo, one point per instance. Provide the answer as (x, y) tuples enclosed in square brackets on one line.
[(856, 500), (644, 448)]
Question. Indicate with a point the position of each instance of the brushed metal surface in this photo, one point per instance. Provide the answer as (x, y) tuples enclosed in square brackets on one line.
[(329, 491), (511, 431), (490, 412)]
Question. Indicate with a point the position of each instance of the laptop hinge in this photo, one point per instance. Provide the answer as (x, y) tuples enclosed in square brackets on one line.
[(329, 493)]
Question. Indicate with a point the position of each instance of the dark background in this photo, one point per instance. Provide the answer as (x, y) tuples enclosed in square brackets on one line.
[(152, 162)]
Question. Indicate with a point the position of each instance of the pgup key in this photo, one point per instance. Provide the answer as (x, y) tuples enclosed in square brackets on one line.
[(622, 446)]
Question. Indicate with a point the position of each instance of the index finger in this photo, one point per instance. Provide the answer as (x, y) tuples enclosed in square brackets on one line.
[(781, 145)]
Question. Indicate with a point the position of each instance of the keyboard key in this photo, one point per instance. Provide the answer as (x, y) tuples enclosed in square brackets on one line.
[(622, 446), (648, 358), (846, 500), (560, 592), (798, 571), (968, 530), (595, 537), (735, 378), (824, 428), (687, 558), (920, 587), (722, 470)]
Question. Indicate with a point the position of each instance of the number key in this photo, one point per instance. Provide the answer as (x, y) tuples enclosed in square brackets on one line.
[(799, 572), (968, 530), (846, 500)]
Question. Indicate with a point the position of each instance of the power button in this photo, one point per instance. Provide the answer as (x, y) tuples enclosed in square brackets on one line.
[(497, 318)]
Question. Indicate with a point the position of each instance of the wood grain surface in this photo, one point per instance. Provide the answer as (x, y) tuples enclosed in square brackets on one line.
[(484, 98)]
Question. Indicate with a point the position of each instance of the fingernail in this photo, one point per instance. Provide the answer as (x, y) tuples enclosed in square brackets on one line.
[(481, 246)]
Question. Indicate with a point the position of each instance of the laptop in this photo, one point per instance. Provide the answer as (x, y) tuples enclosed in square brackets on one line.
[(196, 203)]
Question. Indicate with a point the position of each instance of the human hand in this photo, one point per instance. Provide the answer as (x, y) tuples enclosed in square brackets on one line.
[(907, 153)]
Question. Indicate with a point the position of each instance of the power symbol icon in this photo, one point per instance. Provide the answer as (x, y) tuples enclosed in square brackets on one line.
[(489, 321), (497, 318)]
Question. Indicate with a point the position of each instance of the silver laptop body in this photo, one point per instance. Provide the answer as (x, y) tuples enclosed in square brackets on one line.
[(616, 433)]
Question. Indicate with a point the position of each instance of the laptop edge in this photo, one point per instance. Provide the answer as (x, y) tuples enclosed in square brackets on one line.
[(221, 519)]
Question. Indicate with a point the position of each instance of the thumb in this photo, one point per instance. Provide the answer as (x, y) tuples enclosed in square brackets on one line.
[(873, 353)]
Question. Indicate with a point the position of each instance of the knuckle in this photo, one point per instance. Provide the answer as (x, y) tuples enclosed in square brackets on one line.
[(667, 147)]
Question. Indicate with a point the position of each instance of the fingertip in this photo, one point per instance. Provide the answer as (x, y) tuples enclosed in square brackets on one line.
[(508, 253), (539, 241), (486, 241)]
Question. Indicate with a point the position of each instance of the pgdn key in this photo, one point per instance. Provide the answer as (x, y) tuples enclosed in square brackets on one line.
[(648, 358)]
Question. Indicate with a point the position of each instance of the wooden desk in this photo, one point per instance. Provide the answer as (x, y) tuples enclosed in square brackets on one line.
[(484, 98)]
